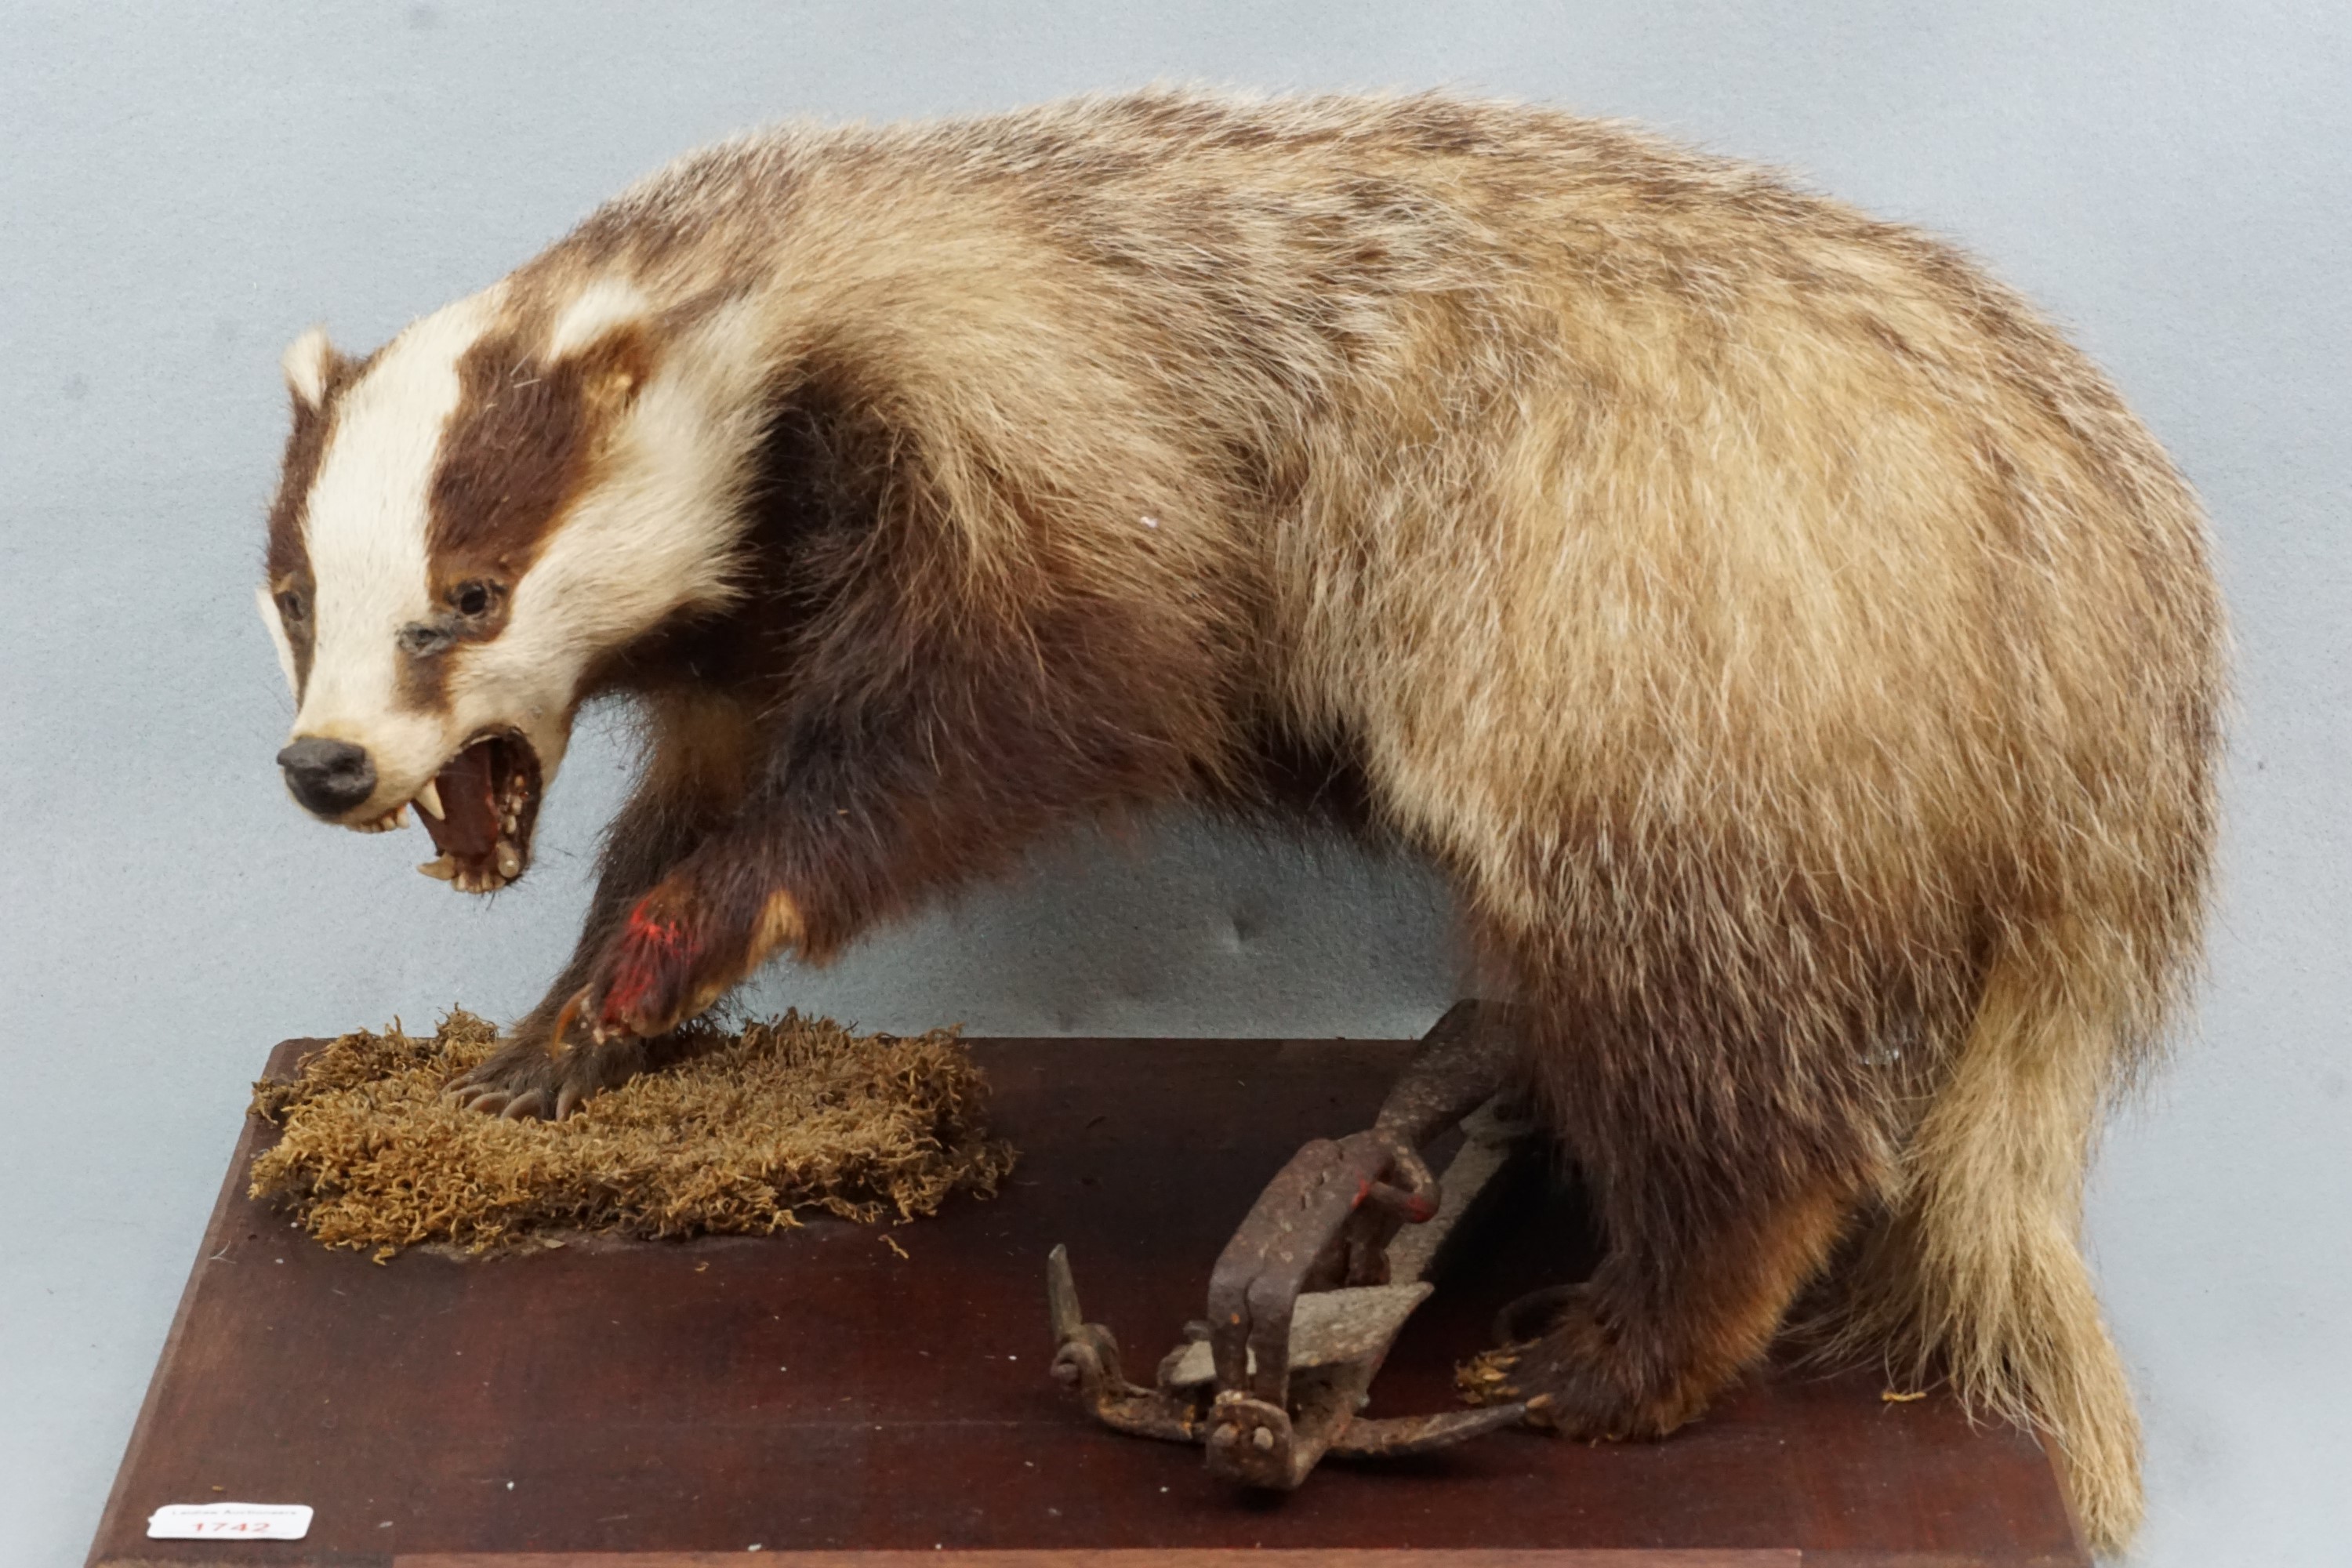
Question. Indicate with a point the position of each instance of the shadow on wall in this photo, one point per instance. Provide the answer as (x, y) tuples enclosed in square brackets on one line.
[(1184, 926)]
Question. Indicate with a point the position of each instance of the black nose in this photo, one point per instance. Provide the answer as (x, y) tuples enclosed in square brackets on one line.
[(328, 776)]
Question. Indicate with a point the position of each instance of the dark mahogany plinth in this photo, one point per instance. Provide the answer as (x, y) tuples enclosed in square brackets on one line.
[(653, 1406)]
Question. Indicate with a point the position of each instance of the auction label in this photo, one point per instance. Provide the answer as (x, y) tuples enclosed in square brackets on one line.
[(229, 1521)]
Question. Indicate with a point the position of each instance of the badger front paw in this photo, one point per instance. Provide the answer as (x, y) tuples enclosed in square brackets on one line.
[(1582, 1378), (532, 1076)]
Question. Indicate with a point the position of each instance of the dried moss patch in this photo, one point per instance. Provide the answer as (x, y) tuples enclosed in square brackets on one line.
[(735, 1138)]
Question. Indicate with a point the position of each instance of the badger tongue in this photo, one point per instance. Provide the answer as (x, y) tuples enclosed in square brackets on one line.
[(467, 828)]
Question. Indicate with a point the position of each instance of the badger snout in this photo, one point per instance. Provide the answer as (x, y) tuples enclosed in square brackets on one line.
[(329, 777)]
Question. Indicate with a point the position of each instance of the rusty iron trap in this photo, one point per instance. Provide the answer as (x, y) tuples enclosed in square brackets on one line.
[(1311, 1292)]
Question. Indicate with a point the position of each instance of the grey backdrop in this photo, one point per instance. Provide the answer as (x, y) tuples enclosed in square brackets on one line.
[(184, 187)]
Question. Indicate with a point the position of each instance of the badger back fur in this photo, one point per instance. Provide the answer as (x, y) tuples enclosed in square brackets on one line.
[(1803, 664)]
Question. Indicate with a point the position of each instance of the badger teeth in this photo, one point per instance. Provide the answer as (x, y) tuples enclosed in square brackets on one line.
[(428, 800), (477, 878)]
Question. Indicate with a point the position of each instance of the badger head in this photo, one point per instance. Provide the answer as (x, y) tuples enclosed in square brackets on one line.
[(472, 523)]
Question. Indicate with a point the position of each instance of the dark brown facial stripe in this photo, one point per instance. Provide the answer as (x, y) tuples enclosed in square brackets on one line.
[(287, 561), (519, 448), (518, 451)]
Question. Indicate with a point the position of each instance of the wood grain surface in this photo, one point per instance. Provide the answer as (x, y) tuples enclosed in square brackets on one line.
[(816, 1395)]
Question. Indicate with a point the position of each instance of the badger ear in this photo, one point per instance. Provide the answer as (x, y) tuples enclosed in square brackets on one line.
[(310, 363), (604, 306), (607, 335)]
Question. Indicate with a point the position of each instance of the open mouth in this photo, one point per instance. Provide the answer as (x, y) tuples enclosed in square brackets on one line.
[(480, 808)]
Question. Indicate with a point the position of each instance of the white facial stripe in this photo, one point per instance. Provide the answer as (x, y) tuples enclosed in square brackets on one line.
[(365, 531)]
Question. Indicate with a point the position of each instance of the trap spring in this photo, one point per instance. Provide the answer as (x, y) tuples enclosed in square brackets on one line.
[(1314, 1288)]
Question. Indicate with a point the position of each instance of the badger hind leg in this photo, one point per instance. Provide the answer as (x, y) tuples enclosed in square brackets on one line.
[(1640, 1350), (1721, 1107), (1708, 1243)]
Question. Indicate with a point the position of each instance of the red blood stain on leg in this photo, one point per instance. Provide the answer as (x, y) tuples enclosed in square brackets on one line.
[(650, 968)]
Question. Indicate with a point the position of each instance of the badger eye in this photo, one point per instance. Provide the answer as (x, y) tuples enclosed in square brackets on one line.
[(290, 605), (474, 598)]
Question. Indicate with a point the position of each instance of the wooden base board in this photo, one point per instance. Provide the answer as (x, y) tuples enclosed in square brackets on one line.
[(817, 1395)]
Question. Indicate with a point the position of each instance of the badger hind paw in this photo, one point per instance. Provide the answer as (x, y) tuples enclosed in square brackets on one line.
[(1575, 1375)]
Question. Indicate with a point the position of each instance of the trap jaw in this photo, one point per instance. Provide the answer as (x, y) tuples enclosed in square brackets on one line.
[(1312, 1290)]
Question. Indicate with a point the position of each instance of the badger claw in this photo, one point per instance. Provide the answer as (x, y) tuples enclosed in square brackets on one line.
[(525, 1079)]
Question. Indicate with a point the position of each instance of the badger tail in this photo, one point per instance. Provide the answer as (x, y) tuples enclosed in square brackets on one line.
[(1973, 1268)]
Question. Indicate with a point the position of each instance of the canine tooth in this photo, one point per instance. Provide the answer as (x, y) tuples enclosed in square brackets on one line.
[(442, 870), (428, 799), (509, 861)]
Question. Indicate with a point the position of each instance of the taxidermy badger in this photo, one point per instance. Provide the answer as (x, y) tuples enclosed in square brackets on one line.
[(1803, 664)]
